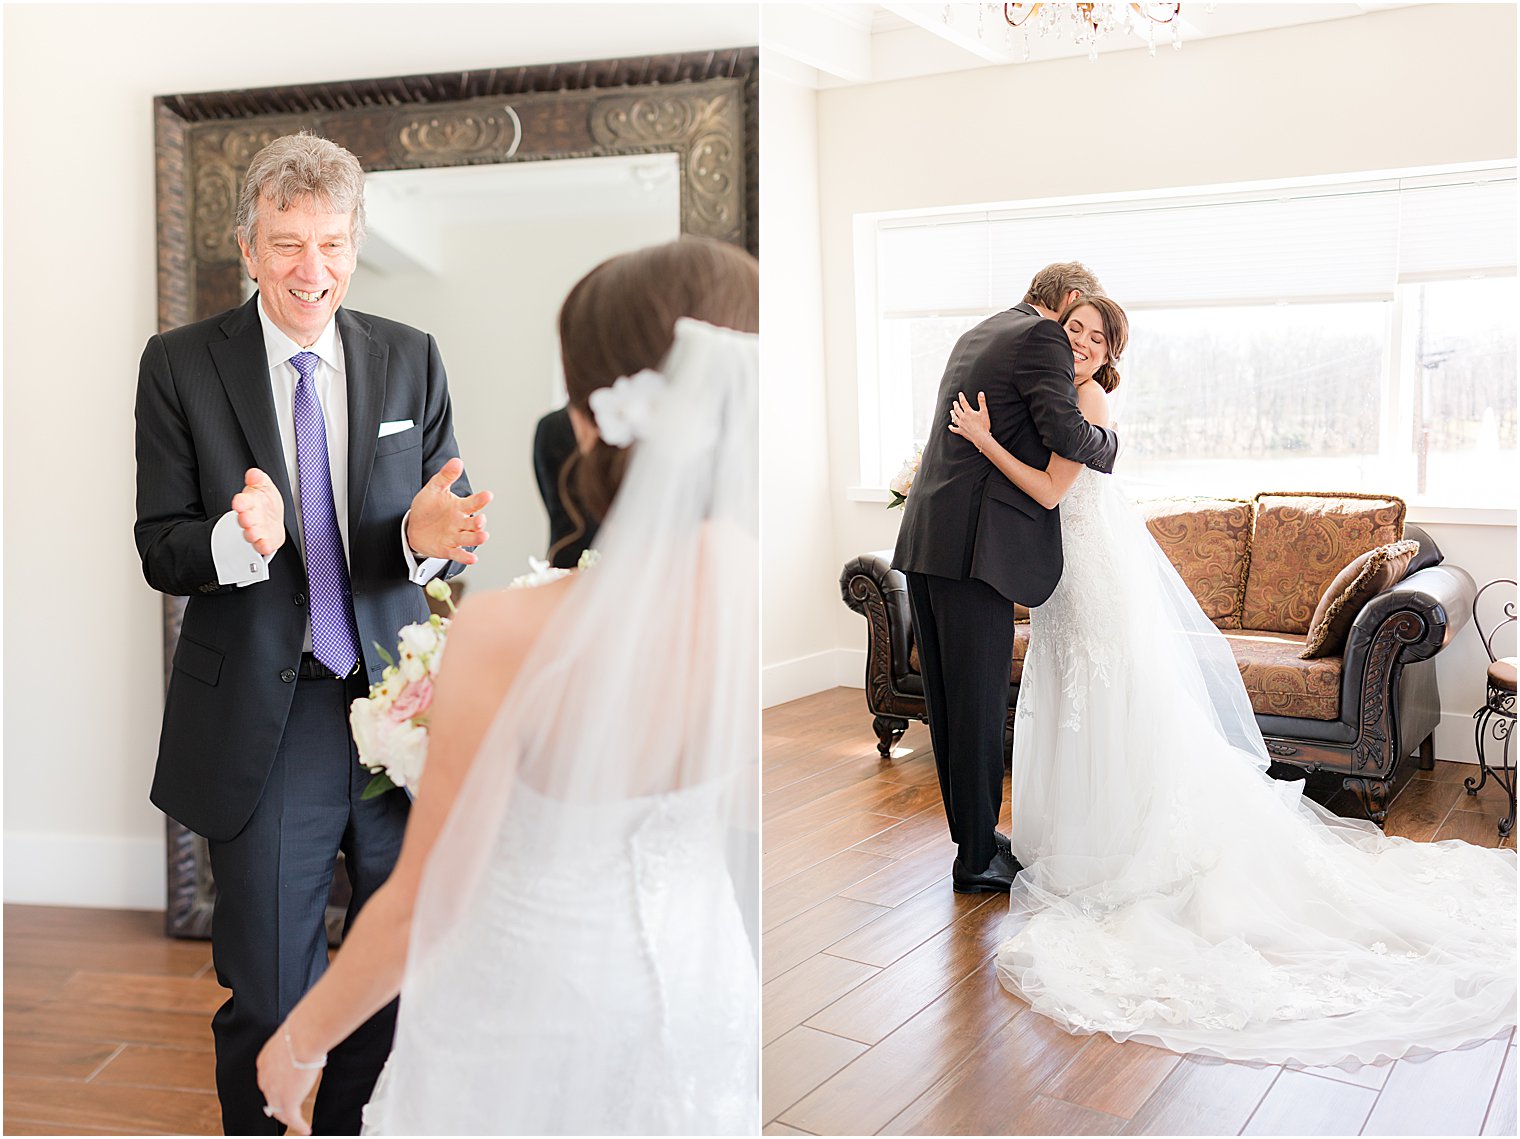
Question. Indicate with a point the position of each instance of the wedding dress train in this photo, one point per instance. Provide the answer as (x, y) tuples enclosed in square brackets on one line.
[(1176, 894)]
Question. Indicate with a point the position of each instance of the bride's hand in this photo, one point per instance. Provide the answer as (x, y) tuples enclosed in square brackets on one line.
[(285, 1086), (973, 423)]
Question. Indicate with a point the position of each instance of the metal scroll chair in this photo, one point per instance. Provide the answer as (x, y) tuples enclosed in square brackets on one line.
[(1496, 719)]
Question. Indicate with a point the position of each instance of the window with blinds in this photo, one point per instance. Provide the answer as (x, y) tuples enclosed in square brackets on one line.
[(1355, 333)]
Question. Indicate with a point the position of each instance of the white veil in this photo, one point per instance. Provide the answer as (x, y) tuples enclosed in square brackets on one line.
[(1187, 647), (633, 732)]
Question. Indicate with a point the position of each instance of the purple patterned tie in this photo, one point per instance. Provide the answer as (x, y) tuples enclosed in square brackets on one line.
[(334, 640)]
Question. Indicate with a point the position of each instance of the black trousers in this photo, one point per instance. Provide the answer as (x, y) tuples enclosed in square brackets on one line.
[(964, 632), (268, 940)]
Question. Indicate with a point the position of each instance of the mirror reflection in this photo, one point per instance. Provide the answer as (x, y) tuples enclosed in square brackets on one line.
[(482, 257)]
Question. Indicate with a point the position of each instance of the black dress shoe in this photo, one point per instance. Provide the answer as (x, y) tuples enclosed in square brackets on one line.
[(1002, 841), (996, 879)]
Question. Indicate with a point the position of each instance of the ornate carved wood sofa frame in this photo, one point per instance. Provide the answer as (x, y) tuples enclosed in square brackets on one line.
[(1254, 567)]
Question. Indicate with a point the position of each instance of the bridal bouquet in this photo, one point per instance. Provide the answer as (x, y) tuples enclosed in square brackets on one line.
[(390, 724), (902, 482)]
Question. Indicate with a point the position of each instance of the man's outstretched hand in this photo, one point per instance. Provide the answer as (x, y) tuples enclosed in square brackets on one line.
[(260, 512), (442, 524)]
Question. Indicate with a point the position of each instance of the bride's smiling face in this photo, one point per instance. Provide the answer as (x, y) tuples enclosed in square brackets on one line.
[(1089, 341)]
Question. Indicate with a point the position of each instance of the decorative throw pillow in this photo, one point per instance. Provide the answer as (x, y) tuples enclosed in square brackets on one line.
[(1352, 588), (1208, 542), (1299, 541)]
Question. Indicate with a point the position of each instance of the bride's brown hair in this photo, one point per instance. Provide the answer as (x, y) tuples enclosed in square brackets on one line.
[(620, 318), (1115, 333)]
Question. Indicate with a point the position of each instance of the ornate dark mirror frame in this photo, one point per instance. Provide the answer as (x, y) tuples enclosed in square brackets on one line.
[(700, 106)]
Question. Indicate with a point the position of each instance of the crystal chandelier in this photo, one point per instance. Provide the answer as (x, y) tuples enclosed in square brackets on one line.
[(1088, 25)]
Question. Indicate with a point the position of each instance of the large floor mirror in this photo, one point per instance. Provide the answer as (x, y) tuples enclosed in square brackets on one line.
[(488, 194)]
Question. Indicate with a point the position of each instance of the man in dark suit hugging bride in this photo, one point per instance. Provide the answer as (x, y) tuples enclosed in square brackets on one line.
[(1163, 887)]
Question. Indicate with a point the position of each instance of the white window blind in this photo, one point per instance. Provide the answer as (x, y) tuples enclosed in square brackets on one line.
[(1457, 230), (1354, 241), (933, 267)]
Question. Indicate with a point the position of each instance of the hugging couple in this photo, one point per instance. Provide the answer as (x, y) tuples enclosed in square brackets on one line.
[(1163, 887)]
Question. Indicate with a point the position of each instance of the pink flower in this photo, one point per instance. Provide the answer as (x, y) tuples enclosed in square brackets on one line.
[(413, 700)]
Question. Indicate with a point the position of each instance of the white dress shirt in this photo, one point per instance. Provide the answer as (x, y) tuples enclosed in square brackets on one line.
[(237, 563)]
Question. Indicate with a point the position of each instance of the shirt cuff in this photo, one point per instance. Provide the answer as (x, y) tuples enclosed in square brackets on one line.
[(419, 572), (237, 563)]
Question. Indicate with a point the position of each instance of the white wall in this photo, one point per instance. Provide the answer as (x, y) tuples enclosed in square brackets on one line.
[(1408, 87), (83, 668), (1486, 552), (799, 594)]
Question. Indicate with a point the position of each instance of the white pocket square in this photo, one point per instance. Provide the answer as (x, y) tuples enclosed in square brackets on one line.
[(394, 426)]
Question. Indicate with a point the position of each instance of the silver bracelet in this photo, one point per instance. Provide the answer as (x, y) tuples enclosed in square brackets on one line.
[(303, 1065)]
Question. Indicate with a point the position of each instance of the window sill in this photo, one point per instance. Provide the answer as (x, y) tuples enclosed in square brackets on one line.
[(1421, 514), (1429, 515)]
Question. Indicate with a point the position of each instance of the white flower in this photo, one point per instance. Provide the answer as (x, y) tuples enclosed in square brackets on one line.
[(407, 754), (417, 640), (371, 726), (902, 482), (624, 410), (540, 573)]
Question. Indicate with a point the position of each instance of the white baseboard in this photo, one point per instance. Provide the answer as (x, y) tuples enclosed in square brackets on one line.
[(804, 676), (1454, 739), (850, 668), (85, 870)]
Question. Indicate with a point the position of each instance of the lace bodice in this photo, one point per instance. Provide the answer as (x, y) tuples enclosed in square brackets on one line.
[(639, 840), (1089, 558), (1069, 634), (575, 945)]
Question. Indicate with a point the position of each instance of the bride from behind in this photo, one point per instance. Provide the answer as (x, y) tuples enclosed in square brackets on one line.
[(572, 921)]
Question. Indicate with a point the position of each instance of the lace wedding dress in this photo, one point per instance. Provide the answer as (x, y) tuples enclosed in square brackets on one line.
[(583, 952), (1177, 895), (574, 953)]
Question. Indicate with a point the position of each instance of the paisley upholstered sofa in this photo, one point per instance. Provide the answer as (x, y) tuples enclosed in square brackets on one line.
[(1260, 569)]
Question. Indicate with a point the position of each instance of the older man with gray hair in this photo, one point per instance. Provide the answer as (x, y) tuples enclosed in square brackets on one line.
[(297, 480)]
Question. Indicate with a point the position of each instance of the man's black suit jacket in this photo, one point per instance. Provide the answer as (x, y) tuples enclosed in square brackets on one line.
[(205, 414), (963, 518)]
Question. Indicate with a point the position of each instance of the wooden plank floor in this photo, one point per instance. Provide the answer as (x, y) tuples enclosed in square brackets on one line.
[(883, 1014), (107, 1025)]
